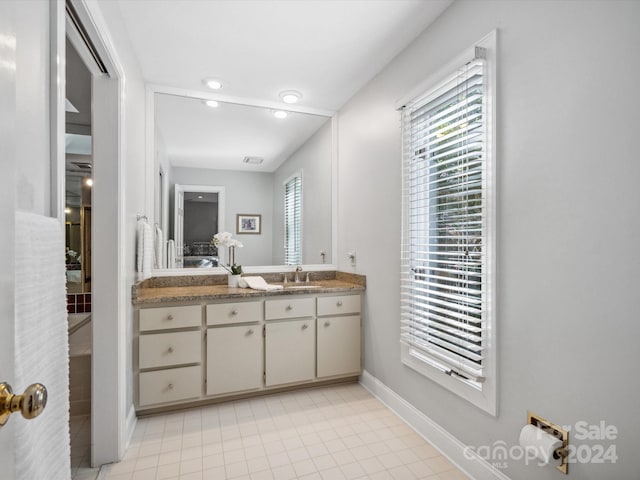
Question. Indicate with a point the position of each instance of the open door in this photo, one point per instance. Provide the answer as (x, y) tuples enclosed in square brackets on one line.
[(29, 186)]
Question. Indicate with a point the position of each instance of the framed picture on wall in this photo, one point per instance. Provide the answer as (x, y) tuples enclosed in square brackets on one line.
[(248, 223)]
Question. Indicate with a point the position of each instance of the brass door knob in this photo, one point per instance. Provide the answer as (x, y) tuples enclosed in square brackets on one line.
[(31, 403)]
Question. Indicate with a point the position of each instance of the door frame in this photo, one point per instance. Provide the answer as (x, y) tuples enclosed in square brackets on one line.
[(111, 430)]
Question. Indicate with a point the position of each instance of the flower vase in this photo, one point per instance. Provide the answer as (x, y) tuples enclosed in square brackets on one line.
[(232, 281)]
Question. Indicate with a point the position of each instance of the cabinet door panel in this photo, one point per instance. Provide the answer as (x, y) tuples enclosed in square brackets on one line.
[(338, 346), (234, 359), (290, 351)]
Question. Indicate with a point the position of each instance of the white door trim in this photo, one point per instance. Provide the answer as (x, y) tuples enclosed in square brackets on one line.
[(110, 429)]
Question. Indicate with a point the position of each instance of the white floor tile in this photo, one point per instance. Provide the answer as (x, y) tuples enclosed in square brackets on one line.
[(329, 433)]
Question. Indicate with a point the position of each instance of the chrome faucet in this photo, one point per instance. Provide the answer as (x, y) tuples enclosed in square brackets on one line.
[(298, 270)]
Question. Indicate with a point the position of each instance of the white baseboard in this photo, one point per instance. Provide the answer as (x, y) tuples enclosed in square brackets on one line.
[(130, 426), (468, 462)]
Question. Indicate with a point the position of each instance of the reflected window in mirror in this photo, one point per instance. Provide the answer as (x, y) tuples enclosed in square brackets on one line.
[(293, 220)]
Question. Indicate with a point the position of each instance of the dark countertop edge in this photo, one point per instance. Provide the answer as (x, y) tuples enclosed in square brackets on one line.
[(245, 293)]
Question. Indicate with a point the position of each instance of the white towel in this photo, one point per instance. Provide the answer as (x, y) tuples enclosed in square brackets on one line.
[(259, 283), (139, 245), (144, 250), (41, 347), (159, 248), (171, 254)]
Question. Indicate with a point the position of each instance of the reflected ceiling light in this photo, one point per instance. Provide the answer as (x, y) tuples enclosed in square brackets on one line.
[(280, 114), (88, 182), (212, 83), (67, 210), (212, 103), (200, 197), (290, 96)]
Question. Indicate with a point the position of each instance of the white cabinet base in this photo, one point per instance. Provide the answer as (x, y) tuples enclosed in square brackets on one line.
[(190, 355)]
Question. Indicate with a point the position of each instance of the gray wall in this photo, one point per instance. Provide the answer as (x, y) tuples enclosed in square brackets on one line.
[(314, 159), (568, 223), (245, 192)]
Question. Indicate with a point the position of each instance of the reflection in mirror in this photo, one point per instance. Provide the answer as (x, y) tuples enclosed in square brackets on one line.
[(199, 210), (252, 156)]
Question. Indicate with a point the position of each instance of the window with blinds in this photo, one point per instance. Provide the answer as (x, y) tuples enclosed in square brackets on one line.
[(446, 250), (293, 220)]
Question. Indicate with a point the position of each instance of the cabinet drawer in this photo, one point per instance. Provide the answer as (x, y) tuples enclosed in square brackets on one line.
[(170, 317), (289, 308), (339, 305), (170, 385), (163, 349), (240, 312)]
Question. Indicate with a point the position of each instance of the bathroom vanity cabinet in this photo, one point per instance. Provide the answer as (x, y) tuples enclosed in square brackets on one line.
[(189, 354)]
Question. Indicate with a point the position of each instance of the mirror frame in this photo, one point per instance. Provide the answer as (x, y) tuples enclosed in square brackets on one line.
[(152, 198)]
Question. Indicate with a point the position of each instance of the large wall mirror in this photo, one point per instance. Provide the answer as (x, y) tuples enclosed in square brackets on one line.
[(229, 165)]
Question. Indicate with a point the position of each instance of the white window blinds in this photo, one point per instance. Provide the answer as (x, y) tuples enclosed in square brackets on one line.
[(444, 273), (293, 221)]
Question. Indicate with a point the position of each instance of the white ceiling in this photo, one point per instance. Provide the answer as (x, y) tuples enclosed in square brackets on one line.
[(326, 49)]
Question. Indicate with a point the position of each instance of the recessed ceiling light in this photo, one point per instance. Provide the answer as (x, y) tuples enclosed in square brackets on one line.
[(212, 103), (290, 96), (212, 83), (280, 114)]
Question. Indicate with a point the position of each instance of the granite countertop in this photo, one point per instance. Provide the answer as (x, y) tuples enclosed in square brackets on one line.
[(150, 292)]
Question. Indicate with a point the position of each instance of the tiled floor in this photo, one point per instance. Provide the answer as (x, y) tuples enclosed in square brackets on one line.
[(80, 428), (329, 433)]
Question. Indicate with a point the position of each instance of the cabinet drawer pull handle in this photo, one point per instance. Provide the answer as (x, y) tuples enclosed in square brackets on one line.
[(305, 326), (339, 303), (170, 386), (234, 312), (170, 349), (289, 307), (170, 317), (327, 323), (250, 331)]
